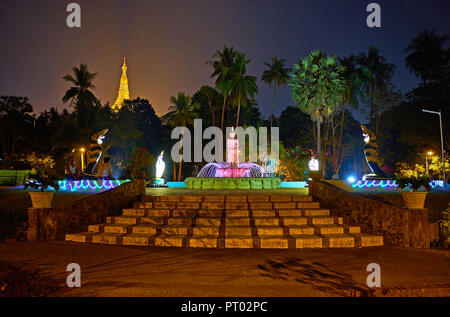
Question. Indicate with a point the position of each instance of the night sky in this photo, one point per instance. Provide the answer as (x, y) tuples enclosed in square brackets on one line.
[(168, 42)]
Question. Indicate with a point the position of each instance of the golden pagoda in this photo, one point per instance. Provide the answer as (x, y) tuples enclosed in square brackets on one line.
[(124, 93)]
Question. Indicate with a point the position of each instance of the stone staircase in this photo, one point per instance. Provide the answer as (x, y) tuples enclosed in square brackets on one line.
[(275, 221)]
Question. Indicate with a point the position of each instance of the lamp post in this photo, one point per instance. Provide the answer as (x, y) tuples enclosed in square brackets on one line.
[(82, 150), (426, 160), (442, 139)]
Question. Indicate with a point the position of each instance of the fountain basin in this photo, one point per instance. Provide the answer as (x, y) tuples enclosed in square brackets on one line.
[(232, 182)]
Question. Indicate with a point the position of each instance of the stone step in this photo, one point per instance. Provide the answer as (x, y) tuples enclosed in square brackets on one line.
[(367, 240), (80, 237), (158, 212), (208, 221), (236, 221), (184, 212), (238, 231), (107, 238), (152, 220), (307, 241), (203, 241), (146, 229), (323, 220), (200, 230), (175, 230), (274, 242), (316, 212), (301, 230), (237, 213), (294, 221), (179, 221), (210, 213), (143, 204), (308, 205), (117, 228), (96, 228), (134, 212), (170, 241), (269, 231), (329, 229), (338, 241), (164, 205), (264, 213), (242, 242), (138, 239), (352, 229), (267, 221), (126, 220)]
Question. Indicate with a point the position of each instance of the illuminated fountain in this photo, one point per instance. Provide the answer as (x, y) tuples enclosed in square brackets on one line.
[(233, 174)]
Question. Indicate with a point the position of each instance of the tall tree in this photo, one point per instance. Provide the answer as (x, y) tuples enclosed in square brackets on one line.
[(15, 119), (80, 93), (317, 85), (426, 57), (240, 85), (181, 113), (380, 74), (355, 77), (222, 61), (277, 75)]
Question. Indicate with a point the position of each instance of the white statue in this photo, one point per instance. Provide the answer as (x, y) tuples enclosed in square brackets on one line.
[(232, 148), (160, 166)]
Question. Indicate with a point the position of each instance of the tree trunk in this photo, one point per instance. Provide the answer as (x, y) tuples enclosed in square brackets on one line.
[(273, 103), (181, 158), (223, 111), (174, 167), (238, 112)]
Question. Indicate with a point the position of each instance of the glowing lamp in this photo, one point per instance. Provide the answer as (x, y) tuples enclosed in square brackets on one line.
[(351, 179)]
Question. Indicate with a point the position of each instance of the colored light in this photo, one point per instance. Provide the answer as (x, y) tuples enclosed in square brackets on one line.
[(89, 185), (176, 184), (351, 179), (293, 184)]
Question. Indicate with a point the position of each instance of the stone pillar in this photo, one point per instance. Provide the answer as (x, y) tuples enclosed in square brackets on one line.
[(33, 224)]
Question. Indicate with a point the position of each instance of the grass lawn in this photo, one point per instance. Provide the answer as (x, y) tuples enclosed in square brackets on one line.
[(14, 203)]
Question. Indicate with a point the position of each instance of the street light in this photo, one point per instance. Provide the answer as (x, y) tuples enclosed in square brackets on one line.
[(82, 150), (426, 159), (442, 140)]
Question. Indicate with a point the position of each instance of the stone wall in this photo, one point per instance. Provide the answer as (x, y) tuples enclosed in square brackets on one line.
[(399, 226), (54, 223)]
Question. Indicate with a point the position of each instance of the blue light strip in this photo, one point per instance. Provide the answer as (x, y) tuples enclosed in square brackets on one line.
[(387, 184), (89, 185)]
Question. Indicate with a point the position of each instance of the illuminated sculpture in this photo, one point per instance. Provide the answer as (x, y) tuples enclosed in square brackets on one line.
[(94, 152), (371, 154), (232, 148), (124, 93), (160, 167)]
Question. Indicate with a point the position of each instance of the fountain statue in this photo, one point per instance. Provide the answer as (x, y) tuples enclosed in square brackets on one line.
[(233, 174)]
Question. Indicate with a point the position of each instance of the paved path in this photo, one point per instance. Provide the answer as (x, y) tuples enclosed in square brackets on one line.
[(139, 271)]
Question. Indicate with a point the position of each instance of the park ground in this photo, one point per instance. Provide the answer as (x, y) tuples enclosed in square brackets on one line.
[(186, 272)]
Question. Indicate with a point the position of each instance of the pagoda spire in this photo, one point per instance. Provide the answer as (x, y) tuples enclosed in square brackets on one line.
[(124, 93)]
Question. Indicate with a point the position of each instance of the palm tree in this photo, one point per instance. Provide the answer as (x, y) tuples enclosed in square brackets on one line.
[(426, 55), (82, 83), (222, 60), (276, 75), (317, 85), (80, 93), (381, 73), (239, 85), (181, 113)]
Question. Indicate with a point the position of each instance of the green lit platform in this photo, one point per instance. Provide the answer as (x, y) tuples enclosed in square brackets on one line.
[(232, 183)]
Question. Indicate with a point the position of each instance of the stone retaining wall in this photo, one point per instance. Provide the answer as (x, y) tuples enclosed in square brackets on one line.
[(399, 226), (54, 223)]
